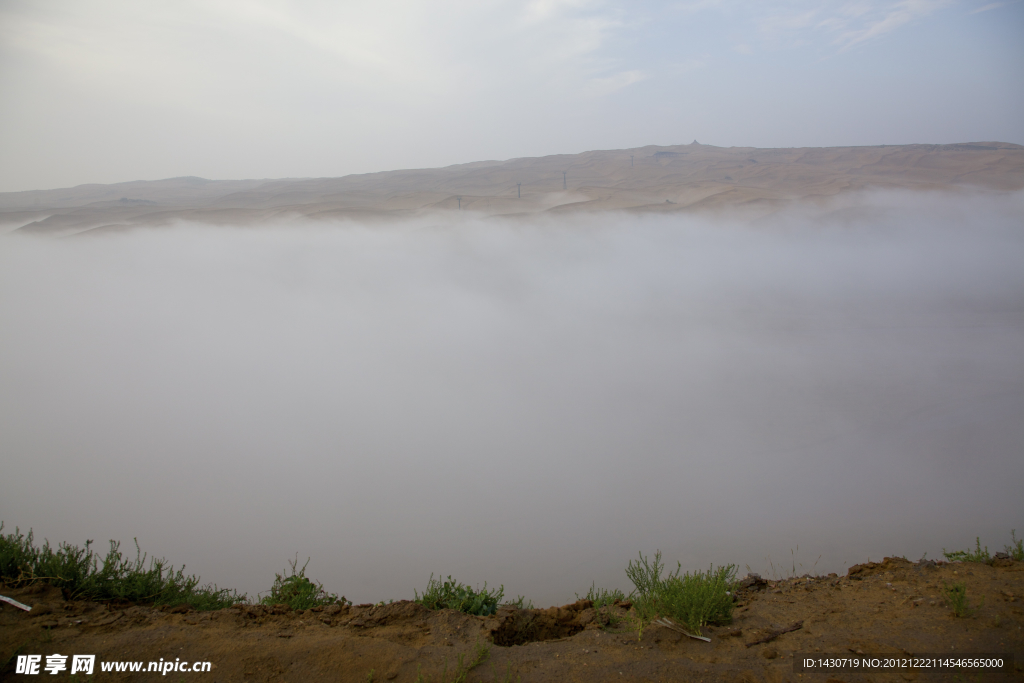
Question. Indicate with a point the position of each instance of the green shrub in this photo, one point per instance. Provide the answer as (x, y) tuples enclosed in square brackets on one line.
[(454, 595), (79, 574), (700, 598), (646, 580), (956, 597), (1016, 551), (696, 599), (298, 591), (978, 555)]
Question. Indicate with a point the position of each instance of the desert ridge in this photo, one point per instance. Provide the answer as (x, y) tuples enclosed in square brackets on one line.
[(659, 179)]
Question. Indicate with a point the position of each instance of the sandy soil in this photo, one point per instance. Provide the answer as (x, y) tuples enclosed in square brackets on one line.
[(646, 179), (892, 607)]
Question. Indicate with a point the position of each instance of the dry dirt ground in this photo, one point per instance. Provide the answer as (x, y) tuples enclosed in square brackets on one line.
[(893, 607)]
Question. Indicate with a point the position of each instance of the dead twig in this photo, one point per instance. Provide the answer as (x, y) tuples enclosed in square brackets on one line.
[(12, 601), (676, 627), (772, 635)]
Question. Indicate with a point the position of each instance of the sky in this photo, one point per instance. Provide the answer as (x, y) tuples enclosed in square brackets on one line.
[(107, 91)]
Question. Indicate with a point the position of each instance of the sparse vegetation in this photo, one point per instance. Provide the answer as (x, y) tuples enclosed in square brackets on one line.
[(1016, 550), (462, 669), (298, 591), (695, 600), (602, 597), (520, 603), (956, 597), (977, 555), (79, 573), (451, 594), (646, 579), (508, 675)]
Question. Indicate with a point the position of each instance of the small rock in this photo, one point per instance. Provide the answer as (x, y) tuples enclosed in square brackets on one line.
[(770, 653), (752, 582)]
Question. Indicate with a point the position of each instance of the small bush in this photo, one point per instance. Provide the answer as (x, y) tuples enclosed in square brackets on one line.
[(297, 591), (646, 580), (79, 574), (454, 595), (696, 599), (1016, 551), (700, 598), (956, 597), (978, 555)]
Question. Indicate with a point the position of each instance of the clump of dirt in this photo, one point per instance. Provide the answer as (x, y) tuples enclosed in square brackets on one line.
[(888, 564), (522, 626), (893, 607)]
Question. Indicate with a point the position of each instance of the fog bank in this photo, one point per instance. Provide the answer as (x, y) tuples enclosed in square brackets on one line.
[(524, 402)]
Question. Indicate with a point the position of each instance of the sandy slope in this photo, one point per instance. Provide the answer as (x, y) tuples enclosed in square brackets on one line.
[(889, 608), (682, 177)]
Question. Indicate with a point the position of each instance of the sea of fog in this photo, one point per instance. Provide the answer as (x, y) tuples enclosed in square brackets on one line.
[(527, 402)]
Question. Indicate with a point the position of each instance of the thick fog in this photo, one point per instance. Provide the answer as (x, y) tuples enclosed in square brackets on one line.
[(525, 402)]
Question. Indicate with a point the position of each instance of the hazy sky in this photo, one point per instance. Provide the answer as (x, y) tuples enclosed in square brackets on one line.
[(114, 91)]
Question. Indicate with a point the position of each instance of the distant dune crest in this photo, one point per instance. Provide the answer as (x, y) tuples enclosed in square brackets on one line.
[(645, 179)]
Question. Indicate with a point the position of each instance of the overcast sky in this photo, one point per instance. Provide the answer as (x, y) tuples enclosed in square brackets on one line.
[(111, 91)]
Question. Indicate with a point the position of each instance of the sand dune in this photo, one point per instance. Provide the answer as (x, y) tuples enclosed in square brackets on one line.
[(647, 179)]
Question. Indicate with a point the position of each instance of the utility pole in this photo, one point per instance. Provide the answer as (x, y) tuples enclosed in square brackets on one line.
[(563, 180), (460, 203), (520, 189), (631, 161)]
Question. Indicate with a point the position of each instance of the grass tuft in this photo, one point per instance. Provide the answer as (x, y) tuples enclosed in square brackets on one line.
[(956, 597), (451, 594), (298, 591)]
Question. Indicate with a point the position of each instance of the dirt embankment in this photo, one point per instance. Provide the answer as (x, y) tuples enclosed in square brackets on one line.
[(893, 607)]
